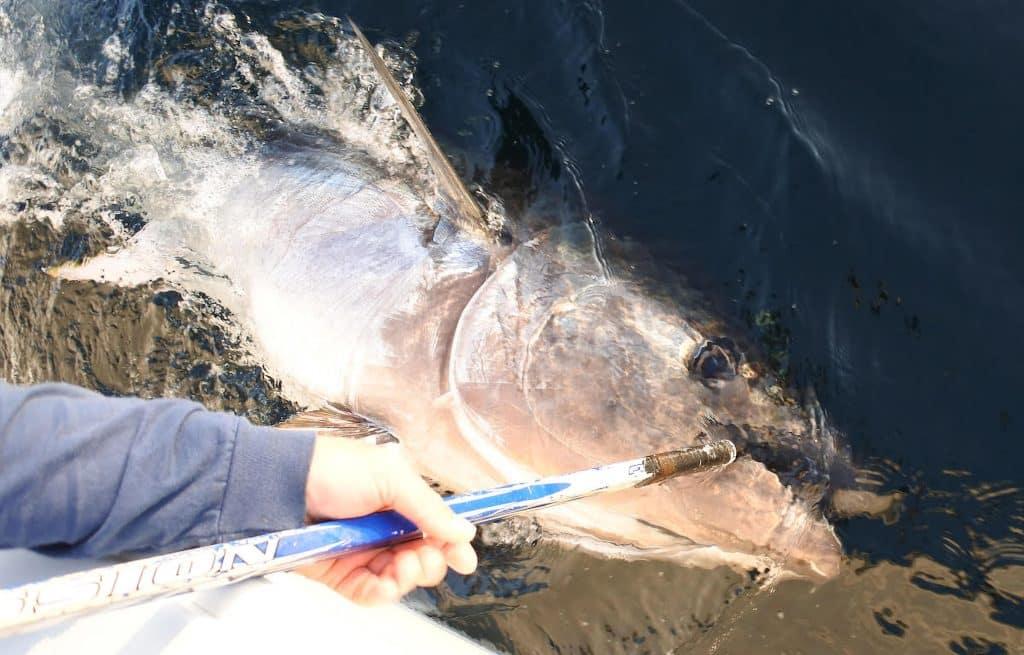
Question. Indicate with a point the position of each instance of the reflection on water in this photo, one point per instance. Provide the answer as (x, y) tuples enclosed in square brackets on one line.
[(807, 184)]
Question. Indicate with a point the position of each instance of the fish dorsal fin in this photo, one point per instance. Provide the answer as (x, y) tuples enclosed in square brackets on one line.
[(338, 421), (453, 187)]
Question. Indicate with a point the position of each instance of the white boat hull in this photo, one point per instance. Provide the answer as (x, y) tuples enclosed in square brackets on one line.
[(281, 613)]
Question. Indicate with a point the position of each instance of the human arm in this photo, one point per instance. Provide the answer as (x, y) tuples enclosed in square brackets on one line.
[(87, 475)]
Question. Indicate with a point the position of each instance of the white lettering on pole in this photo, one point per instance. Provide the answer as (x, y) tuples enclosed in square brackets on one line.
[(249, 554)]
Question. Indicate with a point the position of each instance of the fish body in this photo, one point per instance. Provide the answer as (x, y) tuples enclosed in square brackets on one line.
[(492, 361)]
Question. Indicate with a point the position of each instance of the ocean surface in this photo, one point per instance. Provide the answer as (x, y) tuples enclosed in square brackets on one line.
[(845, 179)]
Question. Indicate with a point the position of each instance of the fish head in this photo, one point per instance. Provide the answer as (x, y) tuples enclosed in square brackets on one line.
[(560, 363)]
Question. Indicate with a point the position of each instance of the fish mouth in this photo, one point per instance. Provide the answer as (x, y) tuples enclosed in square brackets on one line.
[(803, 461)]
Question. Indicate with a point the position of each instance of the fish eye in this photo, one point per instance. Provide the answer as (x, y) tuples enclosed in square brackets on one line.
[(717, 359)]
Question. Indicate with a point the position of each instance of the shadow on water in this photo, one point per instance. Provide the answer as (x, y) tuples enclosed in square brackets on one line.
[(841, 180)]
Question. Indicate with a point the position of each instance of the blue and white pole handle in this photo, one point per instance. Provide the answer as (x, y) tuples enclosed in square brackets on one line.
[(69, 596)]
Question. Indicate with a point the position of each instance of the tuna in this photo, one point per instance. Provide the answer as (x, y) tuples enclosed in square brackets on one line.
[(496, 354)]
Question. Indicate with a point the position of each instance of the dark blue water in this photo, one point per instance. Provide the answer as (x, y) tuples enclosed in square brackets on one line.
[(843, 179)]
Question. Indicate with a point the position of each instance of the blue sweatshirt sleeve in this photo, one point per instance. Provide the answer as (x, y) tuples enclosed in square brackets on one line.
[(86, 475)]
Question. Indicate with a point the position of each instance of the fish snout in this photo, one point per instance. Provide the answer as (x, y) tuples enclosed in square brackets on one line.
[(803, 541)]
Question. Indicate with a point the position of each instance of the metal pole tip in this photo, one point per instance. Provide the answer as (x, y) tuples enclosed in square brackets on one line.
[(663, 466)]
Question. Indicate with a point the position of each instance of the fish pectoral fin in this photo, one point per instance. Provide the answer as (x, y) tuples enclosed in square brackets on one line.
[(473, 217), (116, 268), (137, 263), (339, 421), (336, 420), (154, 254)]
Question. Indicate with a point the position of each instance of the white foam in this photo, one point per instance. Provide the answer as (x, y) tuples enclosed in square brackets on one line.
[(10, 85), (116, 53), (6, 216)]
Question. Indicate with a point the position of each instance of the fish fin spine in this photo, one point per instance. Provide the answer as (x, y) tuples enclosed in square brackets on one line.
[(467, 207)]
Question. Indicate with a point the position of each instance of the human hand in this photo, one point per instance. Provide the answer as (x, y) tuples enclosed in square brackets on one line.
[(349, 479)]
